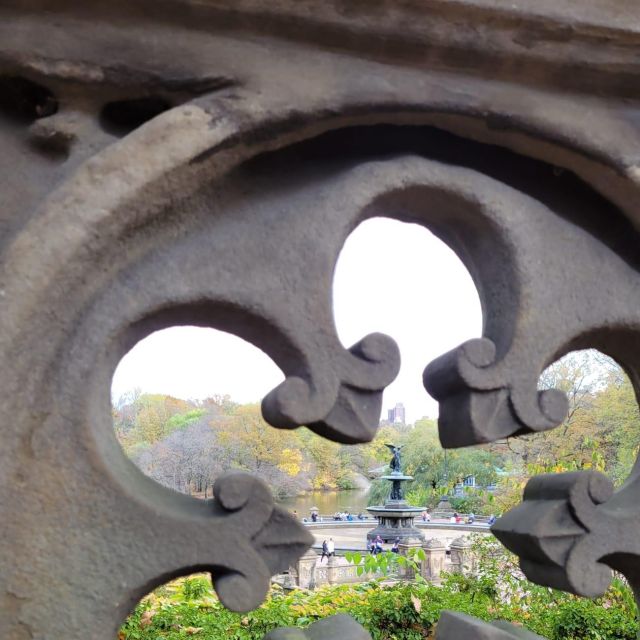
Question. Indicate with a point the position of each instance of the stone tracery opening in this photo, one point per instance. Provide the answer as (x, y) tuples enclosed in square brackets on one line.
[(400, 279), (602, 428), (175, 396)]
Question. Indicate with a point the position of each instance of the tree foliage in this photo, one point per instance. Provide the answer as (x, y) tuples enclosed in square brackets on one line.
[(400, 611), (186, 445)]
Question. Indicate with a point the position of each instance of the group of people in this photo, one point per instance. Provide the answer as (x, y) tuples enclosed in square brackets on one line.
[(343, 516), (328, 549), (456, 518), (348, 517), (375, 546), (470, 519)]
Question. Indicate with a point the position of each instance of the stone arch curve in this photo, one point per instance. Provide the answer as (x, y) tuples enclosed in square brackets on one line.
[(486, 383)]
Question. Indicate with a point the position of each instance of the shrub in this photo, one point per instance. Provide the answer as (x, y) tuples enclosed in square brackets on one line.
[(399, 611)]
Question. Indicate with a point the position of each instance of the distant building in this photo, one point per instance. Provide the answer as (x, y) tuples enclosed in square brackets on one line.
[(396, 415), (469, 481)]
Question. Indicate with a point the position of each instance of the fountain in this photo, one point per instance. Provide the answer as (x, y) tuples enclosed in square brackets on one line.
[(395, 518)]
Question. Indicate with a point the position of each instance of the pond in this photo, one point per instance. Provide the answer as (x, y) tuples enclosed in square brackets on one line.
[(328, 502)]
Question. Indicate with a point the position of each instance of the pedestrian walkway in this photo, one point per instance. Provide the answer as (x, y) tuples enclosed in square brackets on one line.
[(356, 537)]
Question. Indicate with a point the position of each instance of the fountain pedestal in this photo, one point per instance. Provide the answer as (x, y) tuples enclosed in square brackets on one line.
[(396, 517)]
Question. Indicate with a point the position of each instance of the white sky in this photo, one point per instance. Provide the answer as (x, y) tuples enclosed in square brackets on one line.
[(391, 277)]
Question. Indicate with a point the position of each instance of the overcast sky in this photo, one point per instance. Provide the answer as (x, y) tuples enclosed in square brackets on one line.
[(391, 277)]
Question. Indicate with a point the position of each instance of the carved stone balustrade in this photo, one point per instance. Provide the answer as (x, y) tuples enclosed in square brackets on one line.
[(171, 162)]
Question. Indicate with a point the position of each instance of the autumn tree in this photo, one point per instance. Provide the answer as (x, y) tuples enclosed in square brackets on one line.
[(616, 416), (256, 447)]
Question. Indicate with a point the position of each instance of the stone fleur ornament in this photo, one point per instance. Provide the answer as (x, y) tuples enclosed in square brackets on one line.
[(570, 531), (203, 163), (265, 538)]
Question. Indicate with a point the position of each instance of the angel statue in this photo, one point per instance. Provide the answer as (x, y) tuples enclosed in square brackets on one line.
[(395, 461)]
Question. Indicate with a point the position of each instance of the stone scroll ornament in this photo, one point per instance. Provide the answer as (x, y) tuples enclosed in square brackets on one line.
[(264, 539), (198, 214), (211, 263), (488, 387), (571, 529)]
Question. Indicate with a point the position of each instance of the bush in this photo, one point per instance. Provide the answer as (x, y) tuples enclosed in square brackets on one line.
[(402, 611), (612, 616), (473, 501)]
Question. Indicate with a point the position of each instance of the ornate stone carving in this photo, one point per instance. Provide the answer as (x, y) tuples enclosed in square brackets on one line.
[(488, 388), (263, 537), (571, 529), (197, 175)]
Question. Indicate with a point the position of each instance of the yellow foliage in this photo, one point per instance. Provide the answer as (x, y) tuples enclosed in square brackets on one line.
[(291, 462), (259, 444)]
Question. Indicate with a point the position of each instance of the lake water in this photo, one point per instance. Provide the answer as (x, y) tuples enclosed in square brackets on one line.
[(328, 502)]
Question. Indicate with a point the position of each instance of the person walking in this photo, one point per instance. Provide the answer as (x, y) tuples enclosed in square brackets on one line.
[(325, 551), (331, 549)]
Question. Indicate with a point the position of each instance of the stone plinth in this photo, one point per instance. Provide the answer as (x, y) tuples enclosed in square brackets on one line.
[(461, 557), (444, 506), (305, 570), (408, 548), (433, 565)]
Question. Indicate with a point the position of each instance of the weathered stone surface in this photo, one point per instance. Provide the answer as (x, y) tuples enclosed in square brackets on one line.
[(458, 626), (571, 529), (203, 163), (435, 556), (339, 627)]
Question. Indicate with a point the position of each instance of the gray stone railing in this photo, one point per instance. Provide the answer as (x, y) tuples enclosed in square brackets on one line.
[(203, 163), (310, 571), (478, 527)]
